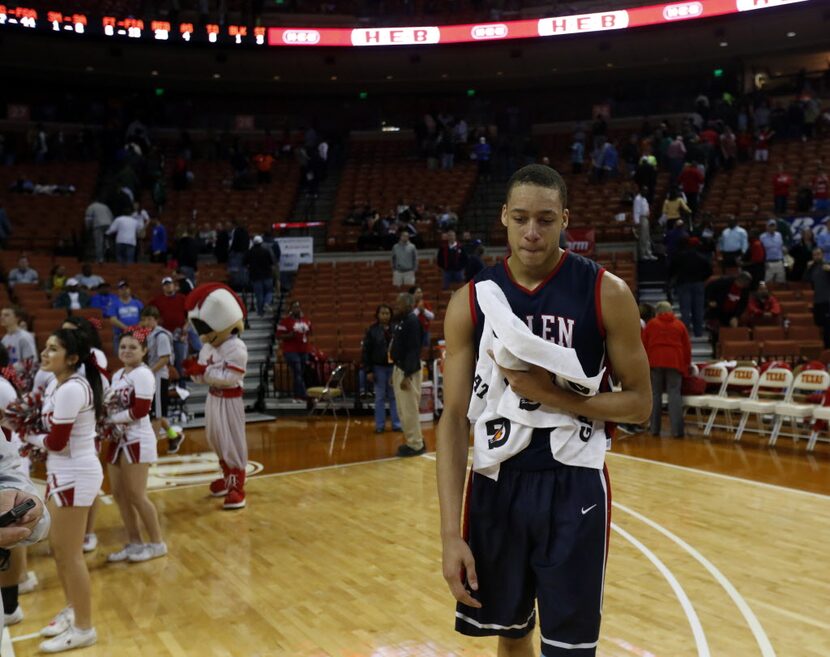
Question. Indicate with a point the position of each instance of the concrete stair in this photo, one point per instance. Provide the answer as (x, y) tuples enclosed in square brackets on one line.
[(318, 207)]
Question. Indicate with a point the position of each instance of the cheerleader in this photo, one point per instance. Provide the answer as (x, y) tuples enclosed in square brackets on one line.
[(71, 404), (90, 327), (131, 454)]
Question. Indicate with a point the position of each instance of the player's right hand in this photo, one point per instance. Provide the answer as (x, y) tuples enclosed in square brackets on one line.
[(457, 561)]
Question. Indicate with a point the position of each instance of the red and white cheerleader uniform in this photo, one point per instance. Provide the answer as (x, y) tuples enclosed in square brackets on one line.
[(74, 473), (135, 390)]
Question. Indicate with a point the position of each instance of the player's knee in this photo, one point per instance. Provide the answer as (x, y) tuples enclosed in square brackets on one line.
[(516, 647)]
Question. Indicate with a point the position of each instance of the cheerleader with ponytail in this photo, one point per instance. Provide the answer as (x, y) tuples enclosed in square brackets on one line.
[(90, 327), (72, 404), (132, 447)]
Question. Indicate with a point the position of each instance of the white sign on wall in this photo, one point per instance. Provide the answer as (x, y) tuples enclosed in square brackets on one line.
[(295, 251)]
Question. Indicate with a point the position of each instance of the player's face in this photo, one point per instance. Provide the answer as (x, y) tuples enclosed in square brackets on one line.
[(131, 352), (534, 218)]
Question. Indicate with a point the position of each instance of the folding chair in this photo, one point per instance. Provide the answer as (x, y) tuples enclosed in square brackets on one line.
[(741, 378), (775, 381), (808, 381), (715, 377), (333, 390)]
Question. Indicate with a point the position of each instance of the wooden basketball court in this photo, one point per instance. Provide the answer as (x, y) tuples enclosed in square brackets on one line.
[(716, 550)]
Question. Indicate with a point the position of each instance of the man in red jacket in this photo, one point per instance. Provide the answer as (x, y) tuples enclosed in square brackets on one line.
[(781, 189), (691, 181), (669, 353)]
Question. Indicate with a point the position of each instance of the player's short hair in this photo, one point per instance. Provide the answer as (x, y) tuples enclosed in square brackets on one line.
[(150, 311), (541, 176)]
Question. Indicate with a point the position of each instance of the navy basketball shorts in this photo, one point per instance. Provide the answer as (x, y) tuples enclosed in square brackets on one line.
[(539, 537)]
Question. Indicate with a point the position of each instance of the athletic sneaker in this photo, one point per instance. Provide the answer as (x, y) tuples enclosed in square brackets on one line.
[(149, 551), (90, 542), (60, 623), (69, 640), (15, 617), (173, 444), (28, 585), (123, 555)]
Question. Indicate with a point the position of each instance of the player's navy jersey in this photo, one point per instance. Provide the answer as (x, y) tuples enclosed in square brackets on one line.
[(566, 309)]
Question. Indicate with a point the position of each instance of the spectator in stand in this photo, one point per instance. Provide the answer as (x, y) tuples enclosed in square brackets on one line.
[(98, 219), (158, 242), (56, 281), (676, 155), (577, 156), (640, 211), (378, 368), (263, 162), (705, 232), (781, 189), (86, 279), (733, 243), (818, 275), (475, 263), (763, 308), (424, 313), (124, 311), (187, 254), (821, 192), (173, 318), (675, 237), (262, 271), (727, 298), (452, 260), (125, 228), (483, 152), (728, 148), (802, 254), (404, 260), (293, 330), (774, 250), (691, 181), (102, 299), (755, 258), (762, 139), (240, 242), (72, 297), (184, 284), (207, 238), (405, 352), (669, 353), (19, 343), (447, 219), (690, 269), (646, 176), (223, 243), (22, 273), (674, 208)]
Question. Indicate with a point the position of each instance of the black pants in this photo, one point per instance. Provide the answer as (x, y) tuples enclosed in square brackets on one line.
[(821, 316)]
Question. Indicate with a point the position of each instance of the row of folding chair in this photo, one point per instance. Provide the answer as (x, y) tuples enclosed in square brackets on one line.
[(776, 392)]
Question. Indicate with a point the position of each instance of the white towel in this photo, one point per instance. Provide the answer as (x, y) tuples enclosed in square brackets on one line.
[(503, 421)]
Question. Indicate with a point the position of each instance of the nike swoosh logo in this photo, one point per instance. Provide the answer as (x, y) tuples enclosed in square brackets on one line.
[(584, 510)]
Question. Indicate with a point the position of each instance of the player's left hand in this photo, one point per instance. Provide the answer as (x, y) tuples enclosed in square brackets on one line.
[(534, 384)]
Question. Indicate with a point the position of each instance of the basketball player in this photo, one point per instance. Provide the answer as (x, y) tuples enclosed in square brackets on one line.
[(538, 531)]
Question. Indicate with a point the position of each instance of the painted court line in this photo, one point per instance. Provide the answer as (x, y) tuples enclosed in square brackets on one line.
[(270, 475), (685, 603), (22, 637), (718, 475), (750, 618)]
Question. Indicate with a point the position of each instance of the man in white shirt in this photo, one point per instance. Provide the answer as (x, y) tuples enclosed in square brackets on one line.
[(19, 343), (125, 228), (98, 219), (641, 226)]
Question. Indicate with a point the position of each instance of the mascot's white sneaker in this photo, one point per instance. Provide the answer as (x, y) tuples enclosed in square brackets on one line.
[(69, 640)]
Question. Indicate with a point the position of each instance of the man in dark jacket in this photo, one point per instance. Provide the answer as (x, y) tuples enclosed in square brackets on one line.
[(452, 259), (406, 374), (817, 273), (378, 368), (690, 268), (727, 298), (261, 272)]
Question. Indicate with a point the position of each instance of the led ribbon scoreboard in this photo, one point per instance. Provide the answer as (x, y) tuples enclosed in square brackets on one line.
[(115, 27)]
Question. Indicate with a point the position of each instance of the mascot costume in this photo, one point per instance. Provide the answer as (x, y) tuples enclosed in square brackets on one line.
[(218, 316)]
